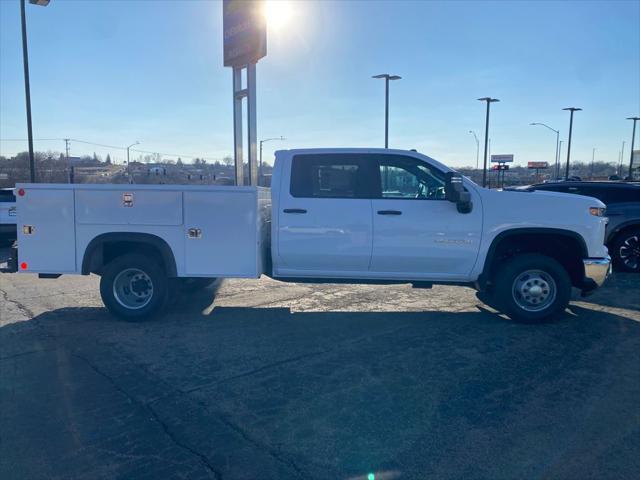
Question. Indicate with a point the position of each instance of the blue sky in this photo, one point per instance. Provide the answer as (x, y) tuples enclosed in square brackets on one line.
[(114, 72)]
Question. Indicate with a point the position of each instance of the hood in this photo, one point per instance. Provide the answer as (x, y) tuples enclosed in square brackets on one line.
[(541, 198)]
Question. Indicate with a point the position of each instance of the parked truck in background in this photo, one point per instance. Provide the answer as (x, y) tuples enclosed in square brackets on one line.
[(331, 215), (8, 215)]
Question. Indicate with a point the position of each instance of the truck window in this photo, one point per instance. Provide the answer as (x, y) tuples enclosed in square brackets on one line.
[(328, 176), (409, 178)]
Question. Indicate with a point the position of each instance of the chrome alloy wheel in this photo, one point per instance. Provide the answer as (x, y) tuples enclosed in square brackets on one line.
[(133, 288), (629, 252), (534, 290)]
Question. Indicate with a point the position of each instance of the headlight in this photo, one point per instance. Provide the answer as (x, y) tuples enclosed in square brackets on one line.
[(597, 211)]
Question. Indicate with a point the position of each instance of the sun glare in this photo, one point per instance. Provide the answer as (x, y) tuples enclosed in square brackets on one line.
[(278, 13)]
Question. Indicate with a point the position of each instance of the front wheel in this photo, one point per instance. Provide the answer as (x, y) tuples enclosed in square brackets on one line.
[(133, 287), (532, 288)]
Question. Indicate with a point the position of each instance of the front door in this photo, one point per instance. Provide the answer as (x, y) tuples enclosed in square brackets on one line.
[(417, 232), (324, 216)]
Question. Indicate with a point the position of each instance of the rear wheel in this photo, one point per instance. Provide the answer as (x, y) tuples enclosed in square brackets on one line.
[(626, 251), (133, 287), (532, 288)]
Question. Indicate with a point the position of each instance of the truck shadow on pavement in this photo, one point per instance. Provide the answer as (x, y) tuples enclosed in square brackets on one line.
[(621, 290), (271, 393)]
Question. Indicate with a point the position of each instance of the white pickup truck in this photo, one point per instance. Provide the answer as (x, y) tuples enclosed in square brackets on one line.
[(331, 215)]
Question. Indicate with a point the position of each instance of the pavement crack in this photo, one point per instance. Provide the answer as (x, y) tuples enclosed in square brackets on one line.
[(154, 415), (22, 354), (269, 366), (262, 446), (21, 307)]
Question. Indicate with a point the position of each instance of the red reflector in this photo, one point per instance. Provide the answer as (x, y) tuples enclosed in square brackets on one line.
[(21, 192), (23, 265)]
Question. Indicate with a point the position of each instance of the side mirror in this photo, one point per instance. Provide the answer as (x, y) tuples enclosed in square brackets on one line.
[(455, 192)]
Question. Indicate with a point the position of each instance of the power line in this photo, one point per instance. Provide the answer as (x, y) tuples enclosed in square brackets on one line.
[(97, 144), (114, 147), (35, 139)]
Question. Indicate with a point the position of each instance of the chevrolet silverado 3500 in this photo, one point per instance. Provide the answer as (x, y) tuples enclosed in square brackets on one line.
[(331, 215)]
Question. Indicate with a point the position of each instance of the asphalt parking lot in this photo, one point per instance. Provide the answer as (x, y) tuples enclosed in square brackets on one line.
[(266, 380)]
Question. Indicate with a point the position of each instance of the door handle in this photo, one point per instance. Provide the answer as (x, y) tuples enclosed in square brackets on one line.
[(389, 212), (294, 210)]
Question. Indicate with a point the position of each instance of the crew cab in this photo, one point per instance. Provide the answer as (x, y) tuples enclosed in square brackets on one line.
[(331, 215)]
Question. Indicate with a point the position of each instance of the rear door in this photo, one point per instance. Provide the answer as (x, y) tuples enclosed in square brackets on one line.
[(324, 215), (417, 233)]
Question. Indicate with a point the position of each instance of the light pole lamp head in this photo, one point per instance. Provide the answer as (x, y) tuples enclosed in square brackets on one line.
[(633, 118), (42, 3), (387, 76), (572, 109), (488, 99)]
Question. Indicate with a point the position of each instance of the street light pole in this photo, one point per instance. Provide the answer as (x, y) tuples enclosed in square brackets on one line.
[(557, 164), (571, 109), (477, 148), (489, 101), (593, 158), (387, 78), (633, 139), (128, 163), (27, 86), (261, 142)]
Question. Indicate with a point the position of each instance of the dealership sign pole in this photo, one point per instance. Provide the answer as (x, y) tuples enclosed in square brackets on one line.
[(244, 43)]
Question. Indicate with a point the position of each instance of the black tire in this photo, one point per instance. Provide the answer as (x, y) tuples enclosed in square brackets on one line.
[(532, 288), (134, 287), (625, 251)]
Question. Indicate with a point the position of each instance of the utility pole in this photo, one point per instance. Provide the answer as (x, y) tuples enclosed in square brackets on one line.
[(633, 139), (572, 110), (489, 101), (128, 164), (66, 147)]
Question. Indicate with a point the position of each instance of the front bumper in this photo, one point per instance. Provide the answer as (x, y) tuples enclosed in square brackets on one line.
[(596, 271)]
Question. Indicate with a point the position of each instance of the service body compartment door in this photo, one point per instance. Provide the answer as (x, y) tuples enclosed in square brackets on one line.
[(221, 233), (128, 205), (46, 230)]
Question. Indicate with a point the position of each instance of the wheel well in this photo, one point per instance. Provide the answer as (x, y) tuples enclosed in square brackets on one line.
[(104, 248), (565, 249)]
